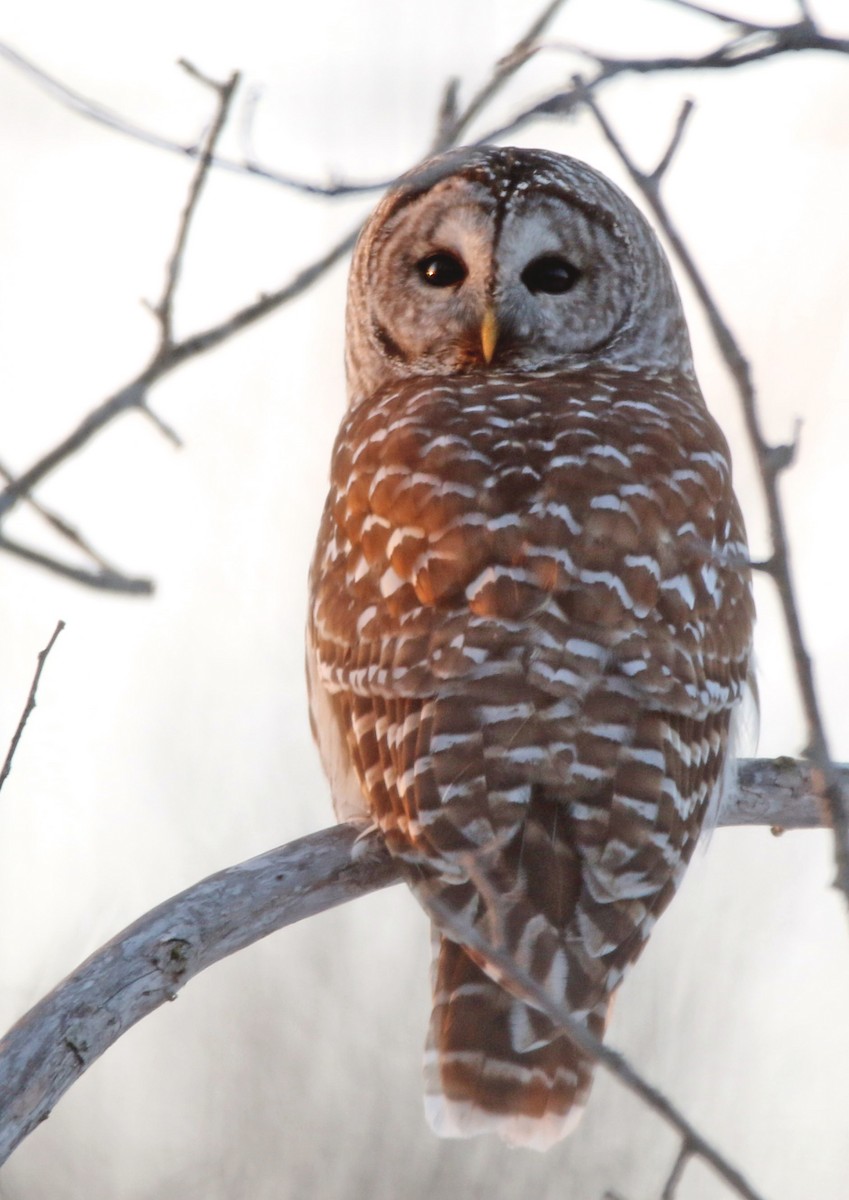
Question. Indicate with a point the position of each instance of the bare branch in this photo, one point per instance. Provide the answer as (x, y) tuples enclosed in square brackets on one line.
[(802, 35), (168, 431), (449, 111), (168, 355), (164, 310), (670, 1188), (674, 142), (109, 578), (95, 111), (150, 961), (753, 43), (451, 134), (714, 14), (133, 395), (104, 580), (30, 704), (771, 462)]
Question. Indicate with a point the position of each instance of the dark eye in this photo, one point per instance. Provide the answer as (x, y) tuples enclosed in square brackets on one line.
[(551, 275), (441, 269)]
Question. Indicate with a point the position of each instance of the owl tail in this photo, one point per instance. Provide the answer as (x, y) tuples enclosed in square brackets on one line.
[(495, 1065)]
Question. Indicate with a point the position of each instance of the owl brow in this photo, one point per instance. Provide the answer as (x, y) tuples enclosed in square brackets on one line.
[(400, 202), (594, 212), (411, 191)]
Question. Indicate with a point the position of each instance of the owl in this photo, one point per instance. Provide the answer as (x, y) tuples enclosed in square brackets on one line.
[(530, 618)]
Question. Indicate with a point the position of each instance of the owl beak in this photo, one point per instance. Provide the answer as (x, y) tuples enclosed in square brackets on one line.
[(489, 334)]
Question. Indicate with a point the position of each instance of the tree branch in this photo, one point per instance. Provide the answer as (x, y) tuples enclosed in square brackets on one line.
[(740, 49), (164, 310), (147, 964), (670, 1188), (107, 578), (30, 704), (93, 110), (771, 462), (450, 133), (150, 961)]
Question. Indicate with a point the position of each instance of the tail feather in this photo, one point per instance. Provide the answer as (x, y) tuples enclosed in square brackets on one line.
[(495, 1065)]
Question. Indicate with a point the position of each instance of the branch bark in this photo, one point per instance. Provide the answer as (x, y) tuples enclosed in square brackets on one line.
[(150, 961)]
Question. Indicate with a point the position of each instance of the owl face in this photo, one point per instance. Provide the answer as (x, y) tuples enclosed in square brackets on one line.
[(507, 260)]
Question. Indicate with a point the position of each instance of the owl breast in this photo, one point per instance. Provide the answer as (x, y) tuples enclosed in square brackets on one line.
[(598, 503)]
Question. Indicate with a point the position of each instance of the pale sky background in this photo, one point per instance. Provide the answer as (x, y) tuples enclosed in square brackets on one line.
[(171, 736)]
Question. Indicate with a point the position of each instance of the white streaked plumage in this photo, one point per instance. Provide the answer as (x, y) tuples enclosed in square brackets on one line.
[(530, 620)]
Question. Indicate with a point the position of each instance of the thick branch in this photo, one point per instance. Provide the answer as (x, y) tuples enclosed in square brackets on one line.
[(150, 961), (147, 964)]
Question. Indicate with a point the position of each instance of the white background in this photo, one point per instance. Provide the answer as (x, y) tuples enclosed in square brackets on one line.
[(171, 736)]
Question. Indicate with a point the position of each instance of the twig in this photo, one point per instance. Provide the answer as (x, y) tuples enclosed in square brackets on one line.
[(147, 964), (451, 133), (105, 580), (30, 704), (108, 578), (164, 310), (771, 461), (102, 115), (161, 425), (737, 51), (674, 142), (670, 1188), (714, 14), (802, 35), (168, 355), (133, 394)]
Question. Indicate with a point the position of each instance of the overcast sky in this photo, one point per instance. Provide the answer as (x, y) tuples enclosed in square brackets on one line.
[(171, 736)]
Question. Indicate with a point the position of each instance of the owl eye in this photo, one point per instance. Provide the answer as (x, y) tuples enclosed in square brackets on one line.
[(441, 269), (551, 275)]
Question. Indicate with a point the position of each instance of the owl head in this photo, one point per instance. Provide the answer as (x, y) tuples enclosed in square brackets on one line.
[(507, 260)]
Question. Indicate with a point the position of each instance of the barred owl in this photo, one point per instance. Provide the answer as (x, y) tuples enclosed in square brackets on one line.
[(530, 618)]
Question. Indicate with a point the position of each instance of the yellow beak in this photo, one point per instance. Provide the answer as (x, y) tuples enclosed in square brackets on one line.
[(489, 334)]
